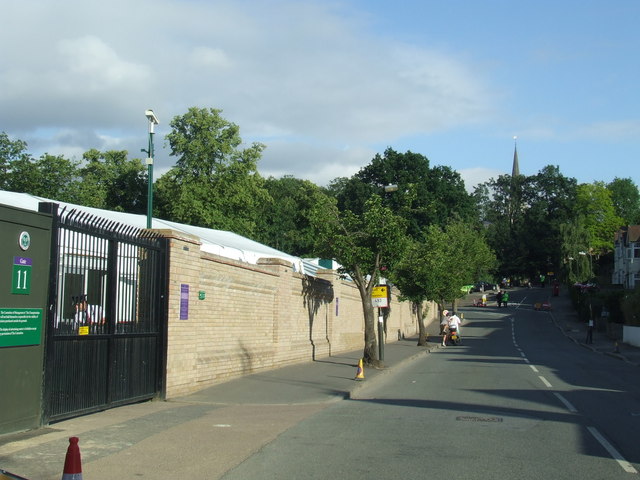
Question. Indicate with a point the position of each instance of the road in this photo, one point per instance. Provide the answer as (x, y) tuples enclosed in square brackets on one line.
[(516, 400)]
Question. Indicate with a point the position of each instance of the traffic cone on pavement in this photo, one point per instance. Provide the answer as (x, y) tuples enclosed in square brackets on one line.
[(360, 371), (72, 462)]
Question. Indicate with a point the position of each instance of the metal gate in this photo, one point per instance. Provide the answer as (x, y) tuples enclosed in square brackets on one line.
[(106, 323)]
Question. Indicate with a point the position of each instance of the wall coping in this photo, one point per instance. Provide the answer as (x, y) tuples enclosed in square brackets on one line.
[(176, 235)]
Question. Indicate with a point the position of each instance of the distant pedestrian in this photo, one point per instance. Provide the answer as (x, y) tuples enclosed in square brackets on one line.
[(505, 298), (589, 339), (499, 298), (484, 299)]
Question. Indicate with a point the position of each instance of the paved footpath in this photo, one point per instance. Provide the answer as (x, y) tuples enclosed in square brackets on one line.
[(205, 434)]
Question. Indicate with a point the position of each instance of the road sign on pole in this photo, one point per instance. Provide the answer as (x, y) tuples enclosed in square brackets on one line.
[(379, 297)]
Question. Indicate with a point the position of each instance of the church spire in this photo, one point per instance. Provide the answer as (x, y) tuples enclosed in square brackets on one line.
[(515, 171)]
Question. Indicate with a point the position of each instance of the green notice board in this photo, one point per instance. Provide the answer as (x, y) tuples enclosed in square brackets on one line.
[(20, 326)]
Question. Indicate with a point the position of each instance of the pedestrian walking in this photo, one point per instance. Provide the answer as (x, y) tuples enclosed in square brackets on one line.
[(589, 339), (499, 298), (505, 298)]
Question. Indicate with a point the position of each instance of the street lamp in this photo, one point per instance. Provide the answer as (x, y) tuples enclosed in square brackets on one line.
[(388, 189), (153, 120)]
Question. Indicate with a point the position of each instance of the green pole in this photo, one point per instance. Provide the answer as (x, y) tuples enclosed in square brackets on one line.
[(150, 178)]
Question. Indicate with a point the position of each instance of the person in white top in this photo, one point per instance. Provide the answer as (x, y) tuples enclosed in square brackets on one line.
[(88, 314), (453, 321)]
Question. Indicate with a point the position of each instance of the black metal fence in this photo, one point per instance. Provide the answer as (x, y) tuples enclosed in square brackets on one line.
[(107, 315)]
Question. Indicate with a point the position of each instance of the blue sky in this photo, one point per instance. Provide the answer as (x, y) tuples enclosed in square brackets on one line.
[(328, 84)]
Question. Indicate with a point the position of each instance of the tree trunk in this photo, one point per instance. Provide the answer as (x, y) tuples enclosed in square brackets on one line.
[(370, 354), (422, 331)]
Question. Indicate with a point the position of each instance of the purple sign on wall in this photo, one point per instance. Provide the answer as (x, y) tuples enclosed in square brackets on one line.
[(22, 261), (184, 302)]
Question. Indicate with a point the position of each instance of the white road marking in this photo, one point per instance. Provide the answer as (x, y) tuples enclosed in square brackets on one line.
[(566, 403), (626, 466), (545, 381), (534, 368)]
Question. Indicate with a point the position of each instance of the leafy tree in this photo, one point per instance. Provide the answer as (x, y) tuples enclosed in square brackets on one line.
[(49, 176), (362, 244), (424, 196), (438, 266), (550, 200), (111, 181), (593, 200), (523, 217), (284, 223), (626, 200), (502, 207), (215, 183), (10, 152), (575, 239)]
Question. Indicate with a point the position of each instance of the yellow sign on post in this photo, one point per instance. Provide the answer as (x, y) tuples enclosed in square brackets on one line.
[(379, 297)]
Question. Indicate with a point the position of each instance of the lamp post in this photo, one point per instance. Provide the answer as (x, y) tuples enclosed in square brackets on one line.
[(153, 121), (388, 189)]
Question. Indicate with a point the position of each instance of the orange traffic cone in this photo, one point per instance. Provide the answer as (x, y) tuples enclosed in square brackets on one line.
[(72, 462), (360, 371)]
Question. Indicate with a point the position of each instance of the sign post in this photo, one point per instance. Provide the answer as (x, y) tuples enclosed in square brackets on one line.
[(379, 299)]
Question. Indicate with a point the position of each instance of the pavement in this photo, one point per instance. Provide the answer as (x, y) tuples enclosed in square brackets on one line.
[(206, 434)]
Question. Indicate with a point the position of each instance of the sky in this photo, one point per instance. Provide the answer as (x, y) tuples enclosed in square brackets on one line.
[(328, 84)]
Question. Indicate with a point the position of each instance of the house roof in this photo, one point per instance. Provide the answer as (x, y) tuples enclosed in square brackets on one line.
[(628, 234), (219, 242)]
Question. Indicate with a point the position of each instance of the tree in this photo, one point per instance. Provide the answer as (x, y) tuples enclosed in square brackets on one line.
[(523, 217), (111, 181), (362, 244), (284, 223), (438, 266), (626, 200), (550, 200), (575, 239), (10, 152), (424, 196), (49, 176), (215, 183), (594, 201)]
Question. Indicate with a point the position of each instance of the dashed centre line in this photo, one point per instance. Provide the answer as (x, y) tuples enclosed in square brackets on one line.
[(545, 381), (566, 403)]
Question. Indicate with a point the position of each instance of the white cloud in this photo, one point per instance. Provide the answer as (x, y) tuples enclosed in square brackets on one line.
[(303, 77), (208, 57), (94, 67)]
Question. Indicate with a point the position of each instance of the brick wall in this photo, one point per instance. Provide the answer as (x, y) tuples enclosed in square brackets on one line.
[(257, 317)]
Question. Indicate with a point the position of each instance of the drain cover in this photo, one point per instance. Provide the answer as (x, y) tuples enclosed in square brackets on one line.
[(470, 418)]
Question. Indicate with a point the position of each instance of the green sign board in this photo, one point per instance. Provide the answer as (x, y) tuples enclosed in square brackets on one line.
[(20, 326), (21, 276)]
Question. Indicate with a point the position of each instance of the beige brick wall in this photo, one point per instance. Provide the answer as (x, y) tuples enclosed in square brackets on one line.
[(257, 317)]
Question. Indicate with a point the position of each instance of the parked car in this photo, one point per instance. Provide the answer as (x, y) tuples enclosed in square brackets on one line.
[(483, 287)]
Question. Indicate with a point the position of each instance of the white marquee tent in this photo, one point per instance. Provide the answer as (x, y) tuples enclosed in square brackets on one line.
[(219, 242)]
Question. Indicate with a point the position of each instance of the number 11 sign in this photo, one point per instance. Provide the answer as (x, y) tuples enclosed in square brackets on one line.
[(21, 276)]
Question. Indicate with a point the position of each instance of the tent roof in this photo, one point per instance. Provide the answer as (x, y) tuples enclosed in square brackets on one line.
[(219, 242)]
